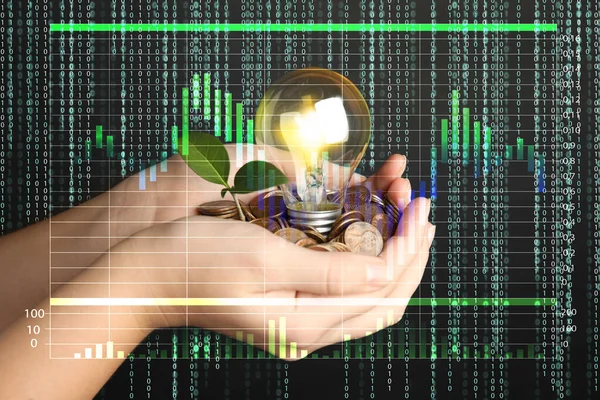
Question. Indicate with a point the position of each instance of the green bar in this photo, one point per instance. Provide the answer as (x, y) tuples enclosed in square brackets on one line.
[(519, 148), (239, 336), (444, 353), (401, 349), (336, 354), (530, 159), (530, 351), (227, 348), (217, 117), (109, 146), (509, 152), (465, 353), (379, 346), (250, 347), (207, 95), (239, 115), (228, 117), (185, 121), (250, 131), (444, 134), (88, 149), (99, 137), (174, 141), (488, 148), (520, 353), (306, 27), (272, 338), (454, 123), (422, 345), (282, 338), (163, 354), (260, 354), (476, 147), (196, 92), (465, 136)]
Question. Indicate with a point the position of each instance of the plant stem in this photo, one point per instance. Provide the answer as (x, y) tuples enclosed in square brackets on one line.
[(239, 207)]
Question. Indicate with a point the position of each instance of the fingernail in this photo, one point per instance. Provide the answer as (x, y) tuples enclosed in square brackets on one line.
[(431, 233), (377, 274)]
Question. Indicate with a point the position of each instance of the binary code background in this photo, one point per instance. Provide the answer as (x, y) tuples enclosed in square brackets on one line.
[(517, 224)]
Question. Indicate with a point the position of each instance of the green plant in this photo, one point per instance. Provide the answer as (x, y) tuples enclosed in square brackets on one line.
[(208, 158)]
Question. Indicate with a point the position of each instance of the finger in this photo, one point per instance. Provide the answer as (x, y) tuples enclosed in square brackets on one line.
[(399, 192), (401, 249), (391, 169), (290, 267), (385, 311)]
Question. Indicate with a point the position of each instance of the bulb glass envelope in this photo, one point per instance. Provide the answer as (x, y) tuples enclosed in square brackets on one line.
[(316, 121)]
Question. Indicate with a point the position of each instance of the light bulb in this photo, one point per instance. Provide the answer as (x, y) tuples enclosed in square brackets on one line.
[(316, 120)]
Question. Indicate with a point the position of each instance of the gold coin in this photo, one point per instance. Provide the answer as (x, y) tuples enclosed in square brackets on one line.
[(291, 234), (384, 224), (340, 223), (339, 230), (356, 196), (216, 208), (312, 233), (266, 205), (267, 223), (306, 242), (320, 247), (339, 246), (364, 238), (375, 198)]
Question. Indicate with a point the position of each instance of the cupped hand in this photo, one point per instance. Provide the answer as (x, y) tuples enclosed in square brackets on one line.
[(242, 278)]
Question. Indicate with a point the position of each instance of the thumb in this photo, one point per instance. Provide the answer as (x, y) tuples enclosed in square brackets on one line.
[(327, 274)]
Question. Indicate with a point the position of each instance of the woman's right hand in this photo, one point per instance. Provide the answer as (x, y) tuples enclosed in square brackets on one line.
[(239, 276)]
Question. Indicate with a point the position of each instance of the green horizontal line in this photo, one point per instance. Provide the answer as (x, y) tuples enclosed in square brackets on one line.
[(306, 27)]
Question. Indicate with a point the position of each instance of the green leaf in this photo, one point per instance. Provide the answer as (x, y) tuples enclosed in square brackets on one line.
[(224, 192), (255, 176), (208, 158)]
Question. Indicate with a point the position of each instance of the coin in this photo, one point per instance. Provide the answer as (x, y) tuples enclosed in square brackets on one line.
[(339, 246), (312, 233), (267, 223), (320, 247), (369, 210), (384, 224), (217, 208), (267, 205), (377, 199), (306, 242), (291, 234), (356, 196), (364, 238), (342, 223)]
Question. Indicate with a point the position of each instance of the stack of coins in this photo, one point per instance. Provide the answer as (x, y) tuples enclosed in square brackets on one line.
[(368, 220)]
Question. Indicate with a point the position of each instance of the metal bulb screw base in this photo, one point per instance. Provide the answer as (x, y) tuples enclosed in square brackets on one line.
[(322, 221)]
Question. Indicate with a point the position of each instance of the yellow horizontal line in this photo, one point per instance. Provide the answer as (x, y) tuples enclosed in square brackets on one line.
[(233, 301)]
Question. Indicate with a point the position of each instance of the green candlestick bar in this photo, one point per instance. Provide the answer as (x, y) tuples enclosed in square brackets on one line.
[(228, 117), (454, 123), (196, 92), (99, 137), (308, 27), (174, 141), (509, 152), (185, 121), (239, 128), (465, 136), (217, 117), (519, 148), (250, 346), (207, 95), (487, 151), (444, 134), (476, 147), (109, 146), (250, 139), (88, 149)]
